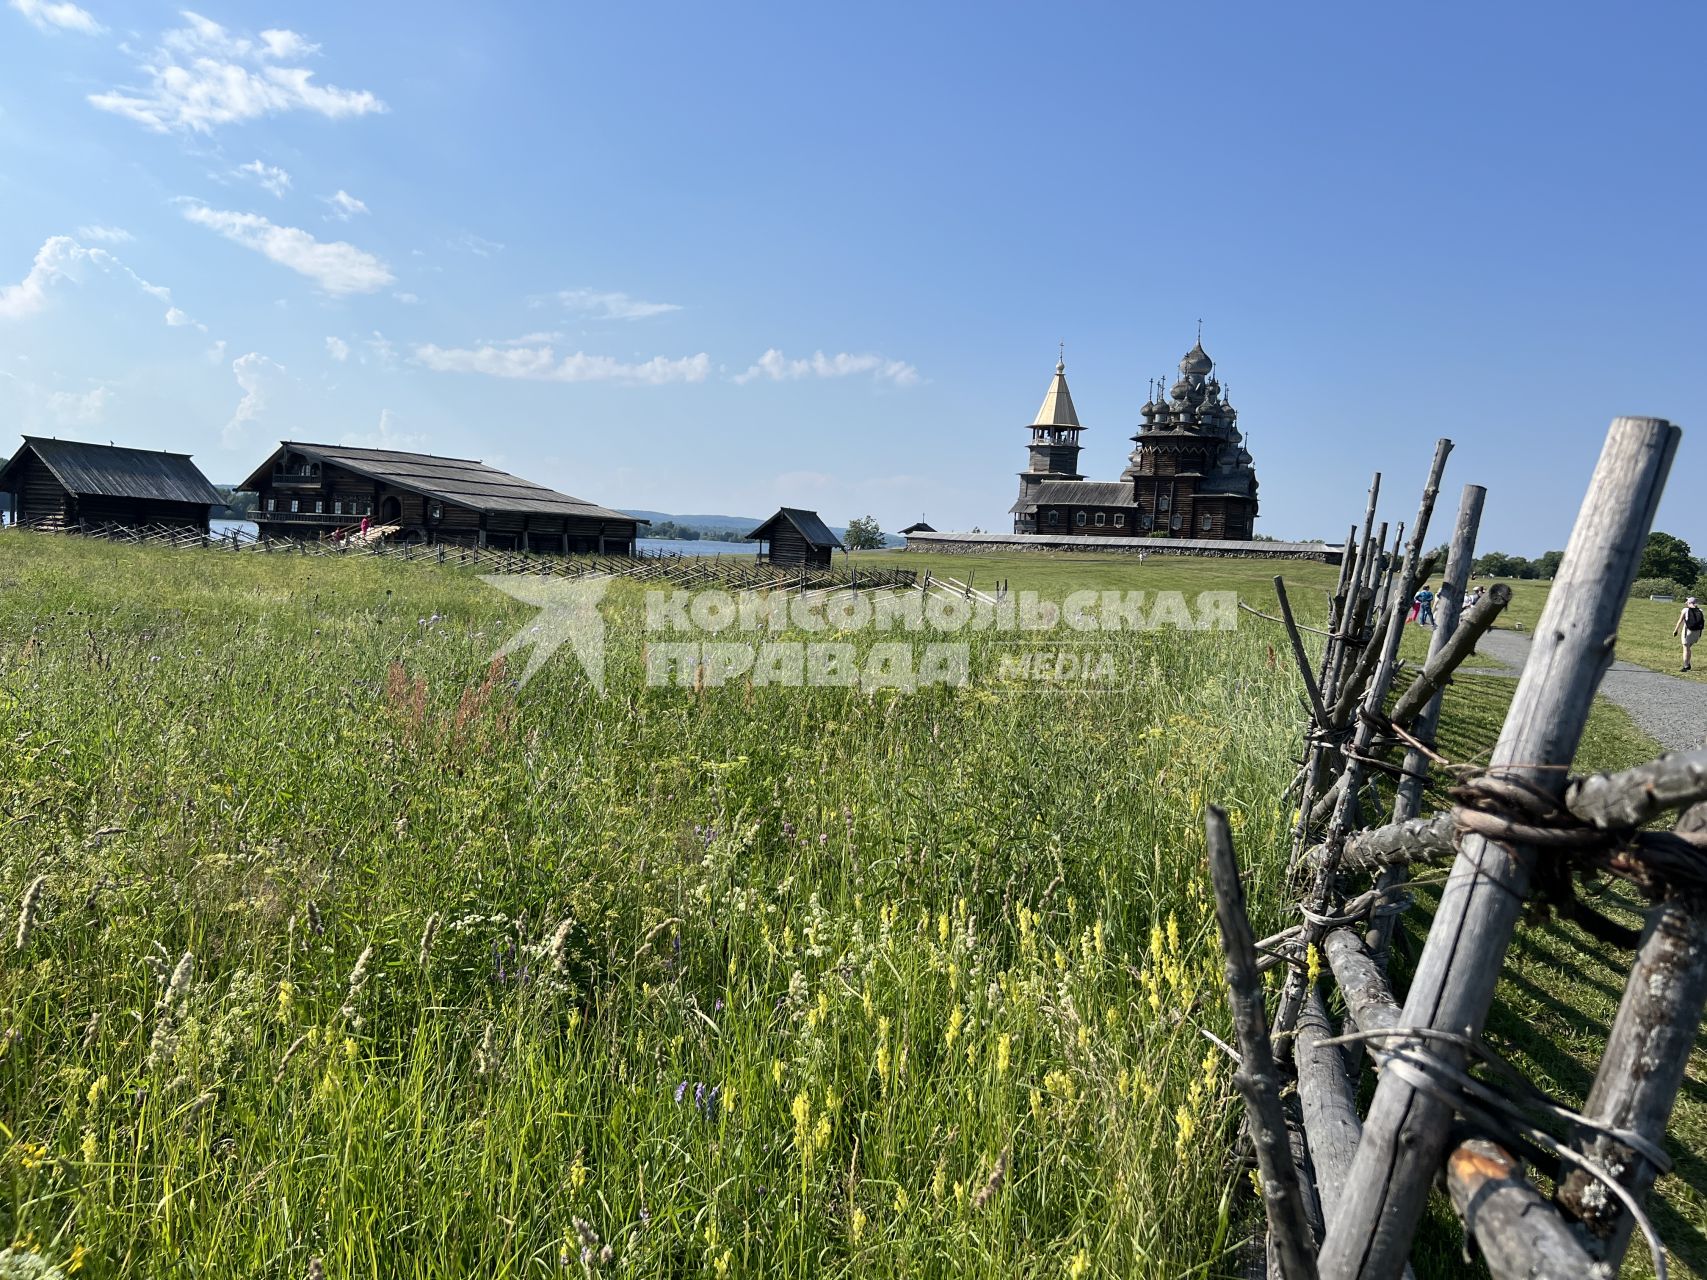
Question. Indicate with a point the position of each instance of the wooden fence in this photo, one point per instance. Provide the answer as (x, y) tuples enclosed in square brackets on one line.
[(1343, 1192), (731, 573)]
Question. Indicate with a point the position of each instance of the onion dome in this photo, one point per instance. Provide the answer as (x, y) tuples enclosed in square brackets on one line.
[(1181, 389), (1196, 361)]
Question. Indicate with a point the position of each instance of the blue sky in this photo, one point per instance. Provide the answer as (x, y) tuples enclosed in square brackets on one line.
[(714, 258)]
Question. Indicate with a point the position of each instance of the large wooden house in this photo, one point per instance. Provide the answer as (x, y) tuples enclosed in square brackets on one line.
[(795, 537), (67, 484), (311, 490)]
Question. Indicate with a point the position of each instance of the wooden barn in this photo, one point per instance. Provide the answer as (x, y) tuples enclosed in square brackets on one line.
[(67, 484), (311, 490), (793, 536)]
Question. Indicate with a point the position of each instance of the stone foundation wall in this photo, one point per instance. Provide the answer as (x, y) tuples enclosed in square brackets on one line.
[(967, 543)]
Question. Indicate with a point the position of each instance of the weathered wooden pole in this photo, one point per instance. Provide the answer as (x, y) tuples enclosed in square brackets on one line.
[(1406, 1131), (1258, 1078), (1521, 1236), (1322, 889), (1317, 710), (1645, 1059), (1407, 803)]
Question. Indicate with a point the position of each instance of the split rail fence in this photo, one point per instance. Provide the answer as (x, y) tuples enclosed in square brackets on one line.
[(735, 573), (1541, 1189)]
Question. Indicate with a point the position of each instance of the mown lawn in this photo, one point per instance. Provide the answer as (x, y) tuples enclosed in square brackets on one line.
[(337, 944)]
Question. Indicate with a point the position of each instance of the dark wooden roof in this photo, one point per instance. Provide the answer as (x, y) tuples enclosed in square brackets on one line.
[(112, 471), (806, 523), (920, 527), (457, 480), (1084, 493)]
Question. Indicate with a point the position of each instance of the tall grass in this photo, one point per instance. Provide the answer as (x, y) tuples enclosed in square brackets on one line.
[(344, 948)]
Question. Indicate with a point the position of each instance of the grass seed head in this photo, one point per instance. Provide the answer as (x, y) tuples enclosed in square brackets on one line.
[(998, 1175), (27, 912)]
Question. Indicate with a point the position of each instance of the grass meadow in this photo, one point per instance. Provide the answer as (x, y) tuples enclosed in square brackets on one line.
[(324, 940)]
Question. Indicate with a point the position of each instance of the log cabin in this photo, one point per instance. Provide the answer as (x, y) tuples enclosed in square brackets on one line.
[(795, 537), (67, 484), (314, 490)]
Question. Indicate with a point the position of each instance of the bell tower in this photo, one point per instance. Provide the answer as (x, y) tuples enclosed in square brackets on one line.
[(1053, 450)]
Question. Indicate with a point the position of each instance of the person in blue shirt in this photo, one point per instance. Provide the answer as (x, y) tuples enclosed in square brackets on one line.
[(1425, 607)]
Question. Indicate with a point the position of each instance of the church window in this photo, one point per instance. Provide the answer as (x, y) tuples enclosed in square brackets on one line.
[(319, 506), (1119, 519), (294, 502), (1204, 522), (1162, 502), (1145, 520), (1101, 519), (1176, 521), (337, 506), (1054, 517), (1079, 518)]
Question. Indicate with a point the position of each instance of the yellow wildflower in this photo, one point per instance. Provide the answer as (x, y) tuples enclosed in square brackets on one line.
[(856, 1224), (1004, 1053), (956, 1019), (1080, 1264)]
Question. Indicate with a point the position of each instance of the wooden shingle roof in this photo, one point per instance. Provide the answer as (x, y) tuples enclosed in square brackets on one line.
[(806, 523), (113, 471), (461, 481)]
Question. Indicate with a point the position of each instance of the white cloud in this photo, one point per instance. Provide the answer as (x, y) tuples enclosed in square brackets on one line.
[(203, 76), (386, 437), (53, 261), (777, 367), (64, 16), (337, 267), (268, 177), (256, 376), (543, 365), (477, 245), (216, 353), (344, 205), (79, 408), (62, 258), (407, 299), (105, 235), (382, 349), (611, 306), (338, 349)]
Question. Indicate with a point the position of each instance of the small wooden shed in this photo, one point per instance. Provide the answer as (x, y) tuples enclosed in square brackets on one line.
[(793, 536), (72, 485)]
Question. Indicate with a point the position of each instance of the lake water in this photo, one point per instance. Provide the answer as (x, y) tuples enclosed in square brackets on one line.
[(704, 547)]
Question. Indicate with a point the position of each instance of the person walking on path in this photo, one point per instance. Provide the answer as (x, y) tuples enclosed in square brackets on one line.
[(1425, 607), (1689, 624)]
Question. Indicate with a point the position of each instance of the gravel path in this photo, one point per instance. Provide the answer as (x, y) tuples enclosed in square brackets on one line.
[(1672, 711)]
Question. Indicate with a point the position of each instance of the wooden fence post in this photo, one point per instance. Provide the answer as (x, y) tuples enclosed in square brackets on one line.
[(1408, 802), (1258, 1077), (1646, 1055), (1406, 1131)]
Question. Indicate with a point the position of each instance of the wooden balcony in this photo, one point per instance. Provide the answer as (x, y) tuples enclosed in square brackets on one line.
[(301, 478)]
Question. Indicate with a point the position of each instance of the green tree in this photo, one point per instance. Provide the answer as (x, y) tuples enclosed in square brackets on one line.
[(864, 534), (1667, 557), (1547, 563)]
